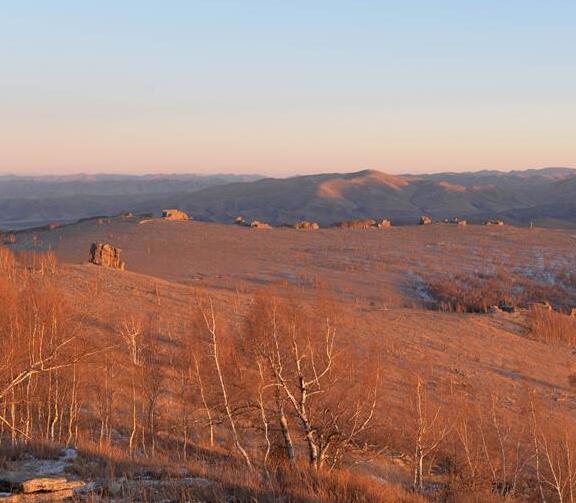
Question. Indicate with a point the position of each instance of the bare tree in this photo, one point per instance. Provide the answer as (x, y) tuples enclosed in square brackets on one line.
[(430, 430), (209, 319)]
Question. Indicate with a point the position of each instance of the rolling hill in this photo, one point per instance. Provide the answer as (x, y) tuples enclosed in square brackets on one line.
[(546, 197)]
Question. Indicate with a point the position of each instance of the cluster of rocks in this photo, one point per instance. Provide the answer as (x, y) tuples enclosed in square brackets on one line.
[(305, 225), (254, 224), (360, 224), (426, 220), (106, 255), (309, 226), (455, 221)]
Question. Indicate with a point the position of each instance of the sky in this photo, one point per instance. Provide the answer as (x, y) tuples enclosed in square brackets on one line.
[(286, 87)]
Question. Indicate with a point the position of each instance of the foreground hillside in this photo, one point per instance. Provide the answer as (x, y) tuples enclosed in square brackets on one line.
[(416, 381)]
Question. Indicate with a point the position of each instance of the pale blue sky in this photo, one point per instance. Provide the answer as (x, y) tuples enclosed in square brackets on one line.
[(286, 87)]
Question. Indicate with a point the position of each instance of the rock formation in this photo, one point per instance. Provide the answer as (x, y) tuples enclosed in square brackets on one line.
[(256, 224), (493, 222), (425, 220), (38, 480), (105, 255), (305, 225), (383, 224), (174, 215), (455, 221), (355, 224)]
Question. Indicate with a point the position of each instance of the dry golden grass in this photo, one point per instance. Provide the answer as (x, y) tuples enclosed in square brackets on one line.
[(488, 359), (552, 327)]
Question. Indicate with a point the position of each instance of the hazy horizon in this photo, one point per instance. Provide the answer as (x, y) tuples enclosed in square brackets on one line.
[(282, 89), (264, 173)]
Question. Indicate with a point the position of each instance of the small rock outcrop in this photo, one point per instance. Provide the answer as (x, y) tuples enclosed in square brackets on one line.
[(38, 480), (365, 223), (174, 214), (256, 224), (493, 222), (355, 224), (425, 220), (241, 222), (383, 224), (305, 225), (106, 255), (455, 221)]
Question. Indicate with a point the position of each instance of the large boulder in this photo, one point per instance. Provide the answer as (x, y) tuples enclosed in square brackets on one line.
[(106, 255)]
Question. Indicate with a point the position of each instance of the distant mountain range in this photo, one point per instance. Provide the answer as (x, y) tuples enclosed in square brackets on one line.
[(28, 201), (545, 196)]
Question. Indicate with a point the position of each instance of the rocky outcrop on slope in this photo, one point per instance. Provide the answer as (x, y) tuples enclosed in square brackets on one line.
[(38, 480), (106, 255)]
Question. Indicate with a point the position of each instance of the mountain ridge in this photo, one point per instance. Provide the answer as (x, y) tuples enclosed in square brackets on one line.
[(542, 195)]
